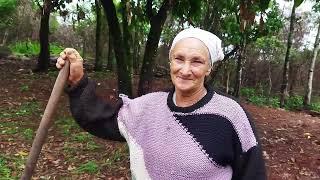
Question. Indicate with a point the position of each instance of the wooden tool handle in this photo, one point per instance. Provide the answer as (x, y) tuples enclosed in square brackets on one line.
[(46, 122)]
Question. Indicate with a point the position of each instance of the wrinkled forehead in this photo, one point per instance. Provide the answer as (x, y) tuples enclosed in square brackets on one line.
[(191, 43)]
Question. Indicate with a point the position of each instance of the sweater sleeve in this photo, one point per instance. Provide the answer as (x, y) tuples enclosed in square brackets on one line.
[(250, 164), (92, 113)]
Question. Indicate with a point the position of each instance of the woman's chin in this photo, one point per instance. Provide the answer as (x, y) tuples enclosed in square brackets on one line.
[(183, 88)]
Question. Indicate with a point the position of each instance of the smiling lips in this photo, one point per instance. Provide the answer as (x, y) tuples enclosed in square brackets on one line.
[(184, 78)]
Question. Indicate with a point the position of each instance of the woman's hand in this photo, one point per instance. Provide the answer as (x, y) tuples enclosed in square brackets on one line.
[(76, 64)]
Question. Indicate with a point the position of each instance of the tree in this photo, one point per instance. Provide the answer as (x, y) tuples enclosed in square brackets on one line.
[(7, 8), (308, 90), (269, 48), (46, 8), (98, 60), (121, 54), (285, 75), (156, 21)]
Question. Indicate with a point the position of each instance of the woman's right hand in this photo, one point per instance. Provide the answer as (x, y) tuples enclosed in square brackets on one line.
[(76, 64)]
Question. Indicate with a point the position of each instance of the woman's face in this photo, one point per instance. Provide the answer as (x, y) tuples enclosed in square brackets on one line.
[(189, 64)]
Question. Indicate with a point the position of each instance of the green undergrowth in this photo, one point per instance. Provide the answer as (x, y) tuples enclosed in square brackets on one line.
[(31, 48), (292, 103)]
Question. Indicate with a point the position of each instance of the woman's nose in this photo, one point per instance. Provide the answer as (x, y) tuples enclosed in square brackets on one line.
[(185, 69)]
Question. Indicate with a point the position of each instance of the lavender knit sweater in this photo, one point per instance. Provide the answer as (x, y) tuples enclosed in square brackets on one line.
[(210, 140)]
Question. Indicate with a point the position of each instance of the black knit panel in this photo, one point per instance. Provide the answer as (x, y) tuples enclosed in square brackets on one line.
[(214, 133)]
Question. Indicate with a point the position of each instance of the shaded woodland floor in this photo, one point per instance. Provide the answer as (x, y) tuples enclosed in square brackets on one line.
[(290, 140)]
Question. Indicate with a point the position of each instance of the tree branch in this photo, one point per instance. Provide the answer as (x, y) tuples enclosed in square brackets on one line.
[(164, 8), (149, 9), (231, 53), (41, 8)]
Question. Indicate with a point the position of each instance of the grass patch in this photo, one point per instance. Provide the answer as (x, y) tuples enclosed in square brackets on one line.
[(90, 167), (67, 125), (82, 137), (30, 48), (259, 99), (25, 109), (5, 171), (11, 167), (28, 134), (117, 156), (24, 88), (91, 146), (315, 107), (9, 128)]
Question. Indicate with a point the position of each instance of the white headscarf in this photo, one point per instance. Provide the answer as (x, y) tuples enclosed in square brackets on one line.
[(212, 42)]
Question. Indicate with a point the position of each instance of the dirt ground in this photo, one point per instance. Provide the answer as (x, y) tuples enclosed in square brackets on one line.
[(290, 140)]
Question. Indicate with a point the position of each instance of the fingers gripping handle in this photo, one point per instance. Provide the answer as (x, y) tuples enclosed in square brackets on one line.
[(46, 121)]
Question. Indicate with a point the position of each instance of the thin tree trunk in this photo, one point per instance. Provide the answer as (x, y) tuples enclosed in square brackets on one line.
[(237, 85), (269, 81), (84, 53), (123, 68), (126, 33), (5, 36), (284, 85), (227, 80), (43, 60), (110, 54), (308, 91), (156, 22), (98, 61)]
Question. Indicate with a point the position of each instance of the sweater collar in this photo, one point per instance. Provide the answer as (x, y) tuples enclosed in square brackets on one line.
[(193, 107)]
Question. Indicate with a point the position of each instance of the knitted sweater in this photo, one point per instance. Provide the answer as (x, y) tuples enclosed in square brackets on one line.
[(210, 140)]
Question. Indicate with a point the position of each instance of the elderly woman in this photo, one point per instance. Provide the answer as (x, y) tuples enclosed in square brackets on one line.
[(191, 132)]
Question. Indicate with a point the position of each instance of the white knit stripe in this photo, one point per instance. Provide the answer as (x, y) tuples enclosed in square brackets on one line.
[(137, 165)]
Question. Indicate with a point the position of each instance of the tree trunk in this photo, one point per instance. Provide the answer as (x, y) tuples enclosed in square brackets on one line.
[(5, 36), (98, 62), (84, 53), (110, 54), (237, 85), (43, 60), (284, 85), (308, 91), (126, 33), (227, 80), (269, 81), (123, 68), (156, 22)]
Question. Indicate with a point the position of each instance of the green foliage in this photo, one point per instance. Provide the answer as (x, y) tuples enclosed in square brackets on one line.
[(25, 109), (24, 88), (297, 3), (5, 171), (258, 98), (315, 106), (53, 24), (90, 167), (29, 48), (7, 7), (91, 146), (82, 137), (28, 134), (189, 9), (274, 20), (294, 102), (28, 108)]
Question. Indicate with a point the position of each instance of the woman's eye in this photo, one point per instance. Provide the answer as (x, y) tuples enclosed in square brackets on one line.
[(198, 62), (179, 60)]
